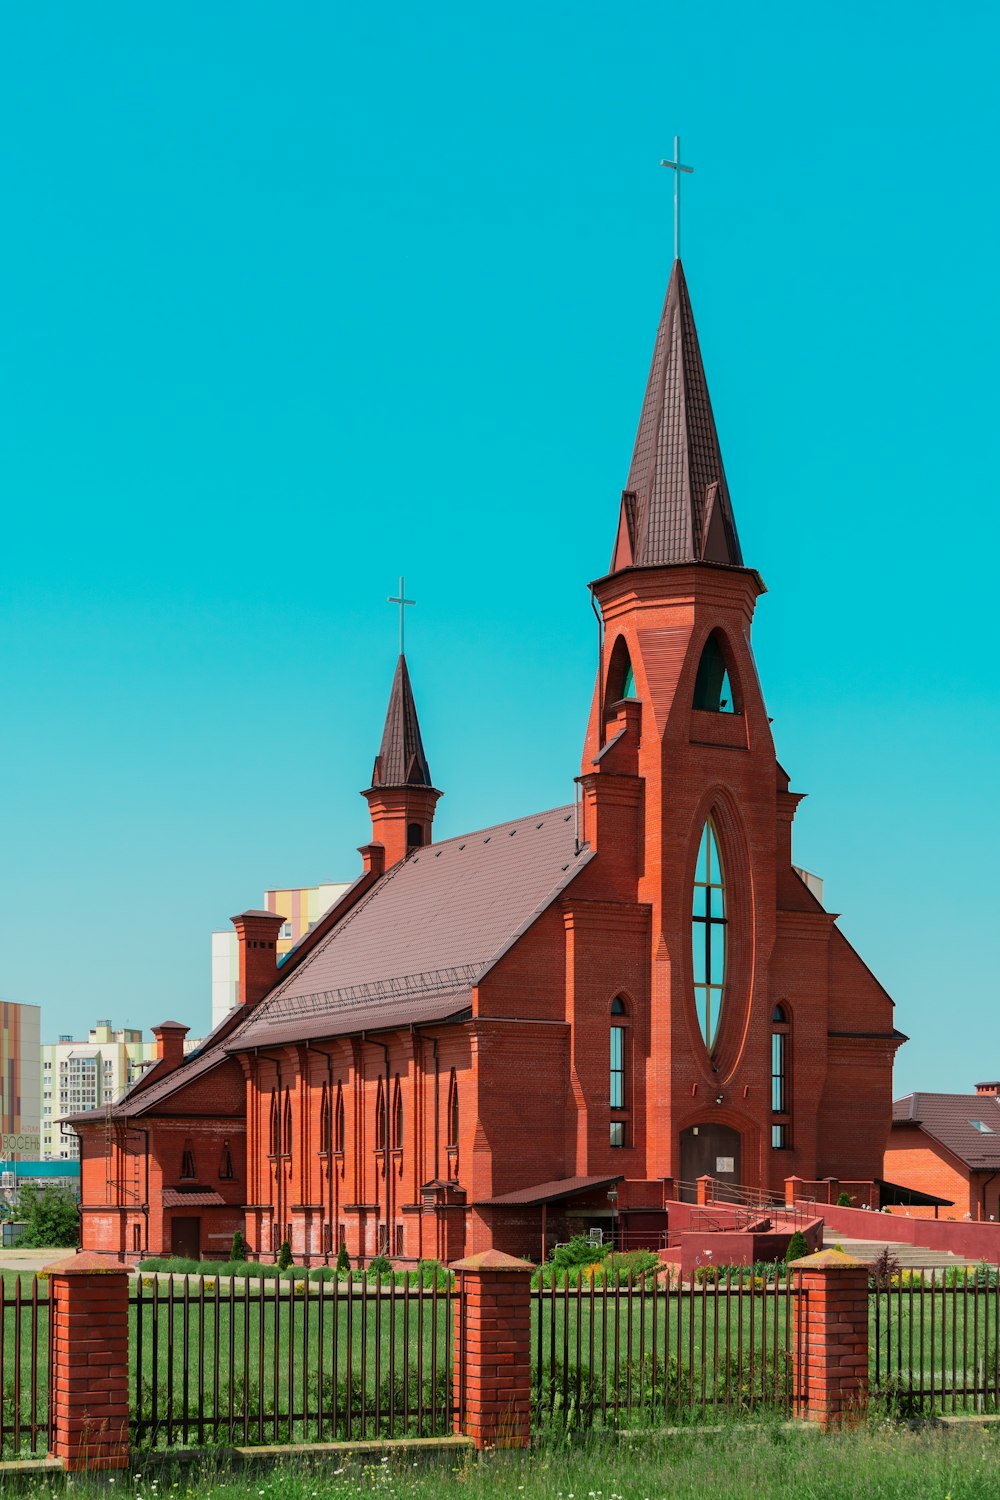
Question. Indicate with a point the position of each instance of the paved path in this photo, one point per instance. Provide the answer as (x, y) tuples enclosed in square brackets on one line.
[(17, 1259)]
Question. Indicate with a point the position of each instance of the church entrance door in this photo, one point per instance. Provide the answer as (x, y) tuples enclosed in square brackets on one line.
[(709, 1151), (185, 1238)]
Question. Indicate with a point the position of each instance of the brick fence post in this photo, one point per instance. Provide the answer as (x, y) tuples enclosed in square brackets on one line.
[(831, 1338), (704, 1190), (89, 1396), (492, 1369)]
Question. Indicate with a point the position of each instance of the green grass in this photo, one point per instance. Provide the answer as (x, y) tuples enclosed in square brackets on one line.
[(763, 1462)]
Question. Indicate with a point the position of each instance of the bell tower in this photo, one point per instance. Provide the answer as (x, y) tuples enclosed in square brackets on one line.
[(676, 607)]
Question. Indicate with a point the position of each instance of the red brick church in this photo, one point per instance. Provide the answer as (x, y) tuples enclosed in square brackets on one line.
[(487, 1034)]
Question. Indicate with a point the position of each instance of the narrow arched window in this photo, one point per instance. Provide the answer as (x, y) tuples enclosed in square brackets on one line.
[(325, 1124), (453, 1111), (274, 1126), (338, 1122), (708, 936), (781, 1031), (286, 1131), (226, 1173), (414, 836), (187, 1161), (621, 678), (713, 690), (397, 1116), (380, 1117)]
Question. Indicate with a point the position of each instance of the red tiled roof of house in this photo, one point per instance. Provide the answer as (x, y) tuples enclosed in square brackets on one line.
[(948, 1118)]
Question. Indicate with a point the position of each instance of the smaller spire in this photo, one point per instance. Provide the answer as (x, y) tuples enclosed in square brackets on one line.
[(401, 760)]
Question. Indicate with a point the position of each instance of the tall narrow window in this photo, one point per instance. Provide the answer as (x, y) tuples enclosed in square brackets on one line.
[(618, 1057), (780, 1097), (226, 1173), (274, 1131), (338, 1122), (380, 1117), (453, 1111), (712, 689), (708, 936), (397, 1116), (286, 1132), (325, 1124), (187, 1161)]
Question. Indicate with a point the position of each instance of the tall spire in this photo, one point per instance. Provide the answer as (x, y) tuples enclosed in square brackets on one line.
[(676, 505), (401, 760)]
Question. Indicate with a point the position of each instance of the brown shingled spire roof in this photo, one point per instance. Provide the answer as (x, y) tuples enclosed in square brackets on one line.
[(401, 760), (676, 506)]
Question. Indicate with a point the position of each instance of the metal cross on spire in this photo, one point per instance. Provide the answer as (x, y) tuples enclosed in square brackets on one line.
[(677, 166), (402, 601)]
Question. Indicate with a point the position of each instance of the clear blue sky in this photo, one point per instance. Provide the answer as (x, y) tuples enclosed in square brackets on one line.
[(298, 297)]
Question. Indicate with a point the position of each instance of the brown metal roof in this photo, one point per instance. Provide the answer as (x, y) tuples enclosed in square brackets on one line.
[(948, 1119), (177, 1198), (676, 506), (424, 934), (550, 1192), (401, 760)]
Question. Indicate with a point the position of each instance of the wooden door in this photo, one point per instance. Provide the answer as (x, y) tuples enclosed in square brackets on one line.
[(712, 1151), (185, 1238)]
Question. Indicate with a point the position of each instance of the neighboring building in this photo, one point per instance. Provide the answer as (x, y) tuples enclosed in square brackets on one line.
[(301, 907), (87, 1075), (18, 1172), (483, 1035), (948, 1146), (20, 1102)]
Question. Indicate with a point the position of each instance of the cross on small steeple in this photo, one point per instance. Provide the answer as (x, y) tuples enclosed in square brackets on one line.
[(677, 166), (402, 601)]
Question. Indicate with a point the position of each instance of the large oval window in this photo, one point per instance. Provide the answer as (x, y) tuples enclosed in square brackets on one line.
[(708, 936)]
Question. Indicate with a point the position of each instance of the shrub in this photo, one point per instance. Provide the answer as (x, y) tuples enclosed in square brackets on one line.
[(343, 1261), (239, 1247), (379, 1266), (284, 1256), (797, 1247), (51, 1216), (883, 1269), (706, 1273), (844, 1200), (579, 1251)]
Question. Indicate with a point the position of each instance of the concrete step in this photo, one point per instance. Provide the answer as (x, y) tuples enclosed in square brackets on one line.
[(911, 1257)]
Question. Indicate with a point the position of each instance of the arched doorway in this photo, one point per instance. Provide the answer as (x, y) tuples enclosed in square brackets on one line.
[(710, 1150)]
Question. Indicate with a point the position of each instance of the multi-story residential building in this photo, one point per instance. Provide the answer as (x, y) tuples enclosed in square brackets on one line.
[(301, 908), (87, 1075), (19, 1093)]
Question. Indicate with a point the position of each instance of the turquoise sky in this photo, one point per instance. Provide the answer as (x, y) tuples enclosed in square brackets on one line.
[(298, 297)]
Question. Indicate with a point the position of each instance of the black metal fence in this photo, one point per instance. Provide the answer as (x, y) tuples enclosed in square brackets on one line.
[(934, 1345), (289, 1361), (646, 1349), (25, 1344)]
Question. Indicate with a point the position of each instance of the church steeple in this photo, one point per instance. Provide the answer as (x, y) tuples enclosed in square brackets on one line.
[(402, 797), (676, 507), (401, 760)]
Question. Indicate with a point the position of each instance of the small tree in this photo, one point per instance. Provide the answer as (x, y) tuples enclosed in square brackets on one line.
[(343, 1261), (797, 1247), (51, 1215), (239, 1247), (843, 1200), (284, 1256)]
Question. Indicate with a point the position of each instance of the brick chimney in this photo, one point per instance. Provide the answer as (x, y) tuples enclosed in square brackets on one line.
[(988, 1088), (169, 1037), (258, 934)]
